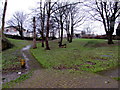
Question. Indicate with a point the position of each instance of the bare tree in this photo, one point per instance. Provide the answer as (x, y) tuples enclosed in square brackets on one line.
[(66, 15), (76, 19), (42, 20), (49, 8), (61, 12), (18, 20), (106, 12), (67, 22), (61, 16)]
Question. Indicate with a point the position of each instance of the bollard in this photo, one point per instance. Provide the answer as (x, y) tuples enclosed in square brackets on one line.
[(22, 61)]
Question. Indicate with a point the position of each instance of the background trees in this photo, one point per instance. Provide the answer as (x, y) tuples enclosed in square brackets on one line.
[(58, 16), (106, 12), (18, 20), (68, 18)]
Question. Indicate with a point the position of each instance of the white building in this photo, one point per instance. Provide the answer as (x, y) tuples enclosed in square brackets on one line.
[(11, 30)]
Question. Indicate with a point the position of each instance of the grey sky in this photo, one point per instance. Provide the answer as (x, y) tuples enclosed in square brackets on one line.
[(19, 5)]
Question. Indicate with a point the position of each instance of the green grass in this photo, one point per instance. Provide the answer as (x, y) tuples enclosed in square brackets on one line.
[(10, 57), (18, 80), (117, 78), (80, 51)]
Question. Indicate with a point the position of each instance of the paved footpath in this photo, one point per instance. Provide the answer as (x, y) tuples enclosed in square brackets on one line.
[(64, 79)]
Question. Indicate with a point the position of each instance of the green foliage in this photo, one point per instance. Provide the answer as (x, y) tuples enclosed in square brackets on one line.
[(117, 78), (79, 52)]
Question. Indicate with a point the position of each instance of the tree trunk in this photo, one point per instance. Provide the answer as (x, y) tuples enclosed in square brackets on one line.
[(67, 30), (3, 18), (118, 30), (71, 36), (22, 37), (110, 32), (42, 42), (19, 28), (68, 37), (59, 33), (58, 30), (61, 38), (43, 23), (21, 33), (109, 36), (42, 34), (47, 33), (34, 31)]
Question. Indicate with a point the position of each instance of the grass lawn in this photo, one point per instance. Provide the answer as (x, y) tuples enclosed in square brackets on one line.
[(91, 55), (10, 57)]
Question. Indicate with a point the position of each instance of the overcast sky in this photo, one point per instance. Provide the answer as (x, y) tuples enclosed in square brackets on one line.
[(26, 5), (19, 5)]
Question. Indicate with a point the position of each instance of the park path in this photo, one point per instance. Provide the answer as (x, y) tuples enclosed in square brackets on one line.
[(50, 78)]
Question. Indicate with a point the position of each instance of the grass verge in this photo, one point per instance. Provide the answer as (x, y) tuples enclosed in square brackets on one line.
[(117, 78)]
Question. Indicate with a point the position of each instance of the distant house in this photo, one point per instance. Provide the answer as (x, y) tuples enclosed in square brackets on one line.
[(83, 34), (12, 30)]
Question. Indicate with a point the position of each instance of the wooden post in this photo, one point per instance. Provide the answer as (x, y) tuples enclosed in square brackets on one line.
[(34, 33)]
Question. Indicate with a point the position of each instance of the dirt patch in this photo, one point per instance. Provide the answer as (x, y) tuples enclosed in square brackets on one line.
[(63, 67), (12, 69), (74, 67)]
